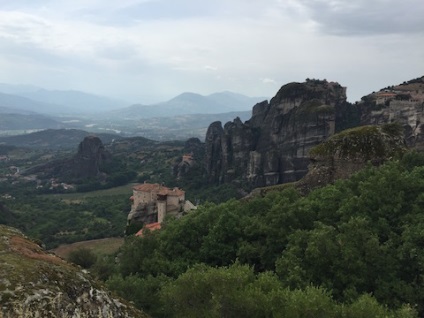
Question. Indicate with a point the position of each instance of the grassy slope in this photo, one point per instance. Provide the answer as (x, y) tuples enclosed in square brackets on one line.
[(80, 196), (105, 246)]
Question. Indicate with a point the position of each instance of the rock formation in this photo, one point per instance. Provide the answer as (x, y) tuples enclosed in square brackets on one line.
[(90, 156), (34, 283), (84, 165), (344, 154), (403, 104), (272, 147), (193, 154), (351, 150)]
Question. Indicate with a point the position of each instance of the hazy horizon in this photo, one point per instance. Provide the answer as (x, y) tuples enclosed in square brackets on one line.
[(148, 51)]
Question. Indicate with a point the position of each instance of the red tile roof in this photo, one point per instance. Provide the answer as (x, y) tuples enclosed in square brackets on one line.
[(147, 187), (177, 192), (151, 227), (160, 189)]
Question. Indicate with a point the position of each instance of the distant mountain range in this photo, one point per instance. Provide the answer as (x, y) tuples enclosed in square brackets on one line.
[(14, 104), (20, 98), (190, 103), (26, 99), (24, 107)]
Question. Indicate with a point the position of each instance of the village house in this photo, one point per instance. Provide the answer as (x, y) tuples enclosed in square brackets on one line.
[(151, 203)]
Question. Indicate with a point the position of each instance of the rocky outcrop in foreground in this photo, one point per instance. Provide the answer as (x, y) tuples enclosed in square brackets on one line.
[(34, 283)]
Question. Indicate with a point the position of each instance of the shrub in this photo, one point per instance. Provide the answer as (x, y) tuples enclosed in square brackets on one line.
[(83, 257)]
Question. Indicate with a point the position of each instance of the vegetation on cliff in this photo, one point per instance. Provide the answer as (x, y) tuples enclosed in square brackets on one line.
[(363, 143)]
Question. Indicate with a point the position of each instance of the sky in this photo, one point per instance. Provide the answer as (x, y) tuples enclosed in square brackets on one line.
[(147, 51)]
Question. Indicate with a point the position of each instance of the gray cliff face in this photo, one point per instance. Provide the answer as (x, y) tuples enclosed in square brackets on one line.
[(91, 154), (272, 147), (83, 165), (193, 154), (214, 143)]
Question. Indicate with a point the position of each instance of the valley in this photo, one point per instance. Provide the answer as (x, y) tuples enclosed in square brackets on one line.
[(310, 204), (28, 109)]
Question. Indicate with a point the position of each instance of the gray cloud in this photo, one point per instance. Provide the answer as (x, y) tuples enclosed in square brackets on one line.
[(154, 49), (365, 17)]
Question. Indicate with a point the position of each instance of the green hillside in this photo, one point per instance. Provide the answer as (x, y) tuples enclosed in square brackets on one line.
[(352, 249)]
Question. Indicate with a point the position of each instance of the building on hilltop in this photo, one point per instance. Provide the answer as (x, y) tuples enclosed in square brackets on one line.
[(151, 203), (382, 97)]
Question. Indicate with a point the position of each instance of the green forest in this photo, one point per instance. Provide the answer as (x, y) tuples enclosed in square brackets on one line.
[(53, 221), (351, 249)]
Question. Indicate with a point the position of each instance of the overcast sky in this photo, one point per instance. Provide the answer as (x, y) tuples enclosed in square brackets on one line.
[(152, 50)]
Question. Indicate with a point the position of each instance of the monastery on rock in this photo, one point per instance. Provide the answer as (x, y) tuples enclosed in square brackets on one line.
[(151, 203)]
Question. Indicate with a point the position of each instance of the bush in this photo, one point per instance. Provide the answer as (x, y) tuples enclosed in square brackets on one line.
[(83, 257)]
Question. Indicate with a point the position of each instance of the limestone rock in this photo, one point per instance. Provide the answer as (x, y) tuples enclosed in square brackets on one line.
[(34, 283), (91, 154), (194, 151), (403, 104), (272, 147), (350, 151), (84, 164)]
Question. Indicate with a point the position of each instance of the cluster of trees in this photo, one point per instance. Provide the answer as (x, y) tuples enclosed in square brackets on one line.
[(352, 249), (55, 221), (237, 291)]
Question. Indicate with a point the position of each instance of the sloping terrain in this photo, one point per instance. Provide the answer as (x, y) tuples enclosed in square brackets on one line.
[(34, 283)]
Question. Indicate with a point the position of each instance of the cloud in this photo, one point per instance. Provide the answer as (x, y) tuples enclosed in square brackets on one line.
[(210, 68), (268, 81), (165, 47), (364, 17)]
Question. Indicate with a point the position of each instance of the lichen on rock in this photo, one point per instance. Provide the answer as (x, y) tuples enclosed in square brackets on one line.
[(34, 283)]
